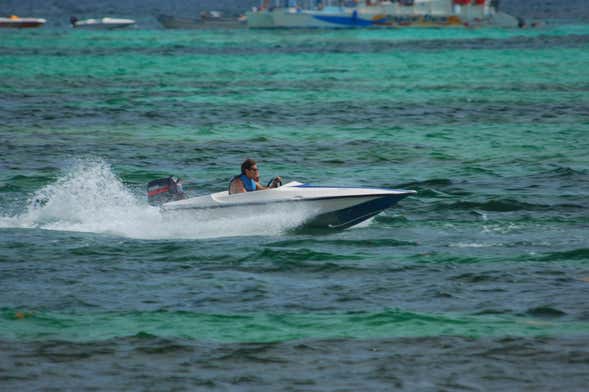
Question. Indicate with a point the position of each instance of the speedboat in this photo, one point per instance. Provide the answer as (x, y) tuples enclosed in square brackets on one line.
[(101, 24), (17, 22), (323, 207)]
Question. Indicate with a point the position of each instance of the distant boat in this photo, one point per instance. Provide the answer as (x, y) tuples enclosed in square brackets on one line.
[(211, 15), (173, 22), (101, 24), (206, 19), (377, 13), (17, 22)]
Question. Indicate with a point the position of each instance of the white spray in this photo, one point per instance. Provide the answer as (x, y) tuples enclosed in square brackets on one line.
[(91, 198)]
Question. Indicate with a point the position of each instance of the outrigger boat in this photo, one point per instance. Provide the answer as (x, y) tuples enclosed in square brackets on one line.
[(324, 207)]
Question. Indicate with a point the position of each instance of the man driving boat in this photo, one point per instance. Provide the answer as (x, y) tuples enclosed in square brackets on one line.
[(248, 180)]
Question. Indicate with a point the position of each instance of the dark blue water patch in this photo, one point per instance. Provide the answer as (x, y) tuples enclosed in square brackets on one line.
[(369, 243), (182, 155), (506, 205), (488, 255), (102, 250), (182, 112), (564, 171), (302, 259), (486, 277), (21, 183), (434, 182), (97, 272), (407, 364), (581, 254), (314, 45), (561, 176), (516, 86), (545, 312)]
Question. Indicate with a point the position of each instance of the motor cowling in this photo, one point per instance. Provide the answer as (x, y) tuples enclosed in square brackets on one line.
[(163, 190)]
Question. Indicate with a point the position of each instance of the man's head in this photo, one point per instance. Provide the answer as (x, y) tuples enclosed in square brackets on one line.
[(249, 168)]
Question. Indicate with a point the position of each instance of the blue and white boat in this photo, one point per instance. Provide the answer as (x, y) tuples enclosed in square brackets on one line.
[(323, 207), (294, 14), (378, 13), (326, 17)]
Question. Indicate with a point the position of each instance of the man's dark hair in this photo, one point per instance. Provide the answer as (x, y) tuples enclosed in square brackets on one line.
[(247, 164)]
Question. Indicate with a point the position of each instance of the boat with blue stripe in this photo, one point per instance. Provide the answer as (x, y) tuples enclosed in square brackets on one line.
[(309, 14)]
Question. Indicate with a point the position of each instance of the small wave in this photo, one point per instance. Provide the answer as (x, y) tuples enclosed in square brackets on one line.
[(432, 193), (272, 327), (473, 245), (428, 183), (492, 276), (575, 254), (367, 243), (89, 197), (567, 172), (440, 258), (19, 182), (504, 205), (303, 260), (545, 312), (499, 205), (428, 188), (301, 254)]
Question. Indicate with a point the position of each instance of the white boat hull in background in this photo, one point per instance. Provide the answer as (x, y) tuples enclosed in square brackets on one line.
[(16, 22), (103, 24)]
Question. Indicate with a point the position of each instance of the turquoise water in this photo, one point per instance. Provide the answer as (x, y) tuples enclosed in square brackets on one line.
[(487, 264)]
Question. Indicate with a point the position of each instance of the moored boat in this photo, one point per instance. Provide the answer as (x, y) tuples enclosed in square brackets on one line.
[(173, 22), (17, 22), (366, 13), (206, 19), (101, 23)]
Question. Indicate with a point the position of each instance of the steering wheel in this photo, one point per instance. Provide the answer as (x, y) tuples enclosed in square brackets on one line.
[(278, 183)]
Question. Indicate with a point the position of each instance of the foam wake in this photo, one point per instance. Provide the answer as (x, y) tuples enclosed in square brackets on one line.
[(89, 197)]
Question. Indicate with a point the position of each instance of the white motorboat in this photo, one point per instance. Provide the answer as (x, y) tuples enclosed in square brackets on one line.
[(324, 207), (17, 22), (101, 24)]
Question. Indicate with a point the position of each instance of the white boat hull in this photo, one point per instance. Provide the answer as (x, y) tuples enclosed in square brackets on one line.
[(16, 22), (316, 207), (103, 24)]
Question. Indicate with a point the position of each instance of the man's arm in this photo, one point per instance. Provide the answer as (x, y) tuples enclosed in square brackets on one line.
[(274, 184)]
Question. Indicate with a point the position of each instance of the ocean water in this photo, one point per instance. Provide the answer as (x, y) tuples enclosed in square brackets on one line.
[(478, 282)]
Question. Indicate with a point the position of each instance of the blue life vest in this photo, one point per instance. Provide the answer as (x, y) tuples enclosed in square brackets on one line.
[(248, 183)]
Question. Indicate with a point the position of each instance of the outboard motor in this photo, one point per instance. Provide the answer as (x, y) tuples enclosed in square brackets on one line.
[(164, 190)]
